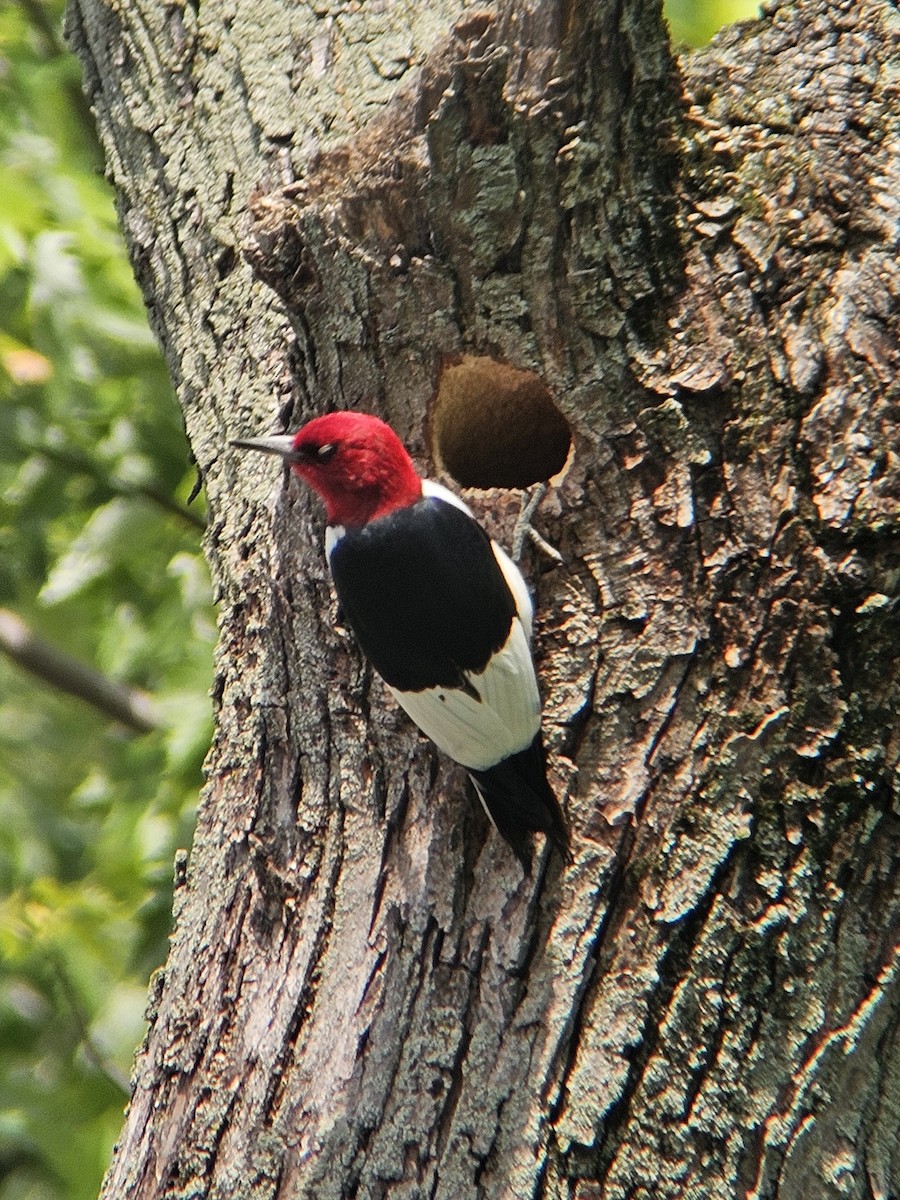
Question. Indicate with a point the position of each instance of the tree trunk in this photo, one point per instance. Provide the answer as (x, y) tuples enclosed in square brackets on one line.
[(365, 997)]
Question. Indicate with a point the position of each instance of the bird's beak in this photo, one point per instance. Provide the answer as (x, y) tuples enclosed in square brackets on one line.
[(282, 446)]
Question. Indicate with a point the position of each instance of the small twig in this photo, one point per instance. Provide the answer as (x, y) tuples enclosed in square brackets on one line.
[(75, 461), (94, 1055), (46, 31), (51, 45), (130, 707), (524, 528)]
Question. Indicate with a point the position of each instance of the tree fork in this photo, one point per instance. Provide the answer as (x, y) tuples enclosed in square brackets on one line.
[(364, 997)]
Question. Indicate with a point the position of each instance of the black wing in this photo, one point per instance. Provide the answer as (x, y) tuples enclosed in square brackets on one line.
[(424, 594)]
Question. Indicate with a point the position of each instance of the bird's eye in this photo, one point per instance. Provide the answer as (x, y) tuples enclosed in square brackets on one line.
[(326, 453)]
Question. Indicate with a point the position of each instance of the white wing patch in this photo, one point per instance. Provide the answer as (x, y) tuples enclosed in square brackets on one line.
[(430, 488), (480, 733), (333, 534), (517, 586)]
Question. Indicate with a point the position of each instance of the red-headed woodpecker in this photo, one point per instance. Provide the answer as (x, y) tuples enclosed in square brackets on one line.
[(442, 613)]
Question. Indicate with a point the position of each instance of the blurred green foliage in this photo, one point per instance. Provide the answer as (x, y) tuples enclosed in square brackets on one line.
[(100, 555), (693, 22)]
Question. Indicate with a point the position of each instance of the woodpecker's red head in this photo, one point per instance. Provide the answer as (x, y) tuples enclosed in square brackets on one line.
[(354, 461)]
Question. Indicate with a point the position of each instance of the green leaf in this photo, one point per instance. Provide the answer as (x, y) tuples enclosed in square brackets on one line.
[(94, 468)]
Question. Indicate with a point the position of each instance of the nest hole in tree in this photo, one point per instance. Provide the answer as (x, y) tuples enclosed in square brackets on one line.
[(496, 426)]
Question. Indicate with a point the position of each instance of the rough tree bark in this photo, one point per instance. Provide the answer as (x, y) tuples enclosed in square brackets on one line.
[(364, 997)]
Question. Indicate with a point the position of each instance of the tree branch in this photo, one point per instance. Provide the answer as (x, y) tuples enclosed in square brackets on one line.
[(129, 706), (74, 461), (92, 1051)]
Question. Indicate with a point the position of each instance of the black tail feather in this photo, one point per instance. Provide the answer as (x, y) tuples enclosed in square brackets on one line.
[(520, 801)]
